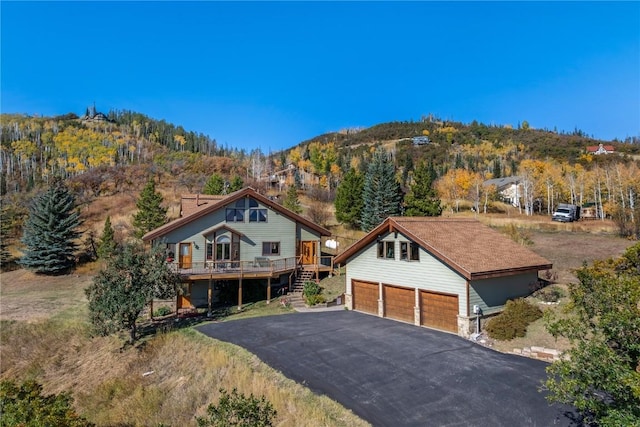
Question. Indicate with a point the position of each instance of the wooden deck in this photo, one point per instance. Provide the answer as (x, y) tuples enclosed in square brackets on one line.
[(260, 268)]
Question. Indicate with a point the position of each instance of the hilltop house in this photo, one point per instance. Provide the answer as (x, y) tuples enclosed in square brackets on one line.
[(600, 149), (242, 243), (437, 272)]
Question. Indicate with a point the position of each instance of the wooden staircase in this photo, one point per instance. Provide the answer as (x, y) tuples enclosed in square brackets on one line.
[(302, 277)]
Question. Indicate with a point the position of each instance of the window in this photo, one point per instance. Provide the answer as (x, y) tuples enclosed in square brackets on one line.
[(209, 251), (223, 248), (386, 250), (257, 215), (270, 248), (235, 215), (414, 253), (409, 251)]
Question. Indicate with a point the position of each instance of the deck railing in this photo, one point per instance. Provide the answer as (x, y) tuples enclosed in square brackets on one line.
[(259, 265)]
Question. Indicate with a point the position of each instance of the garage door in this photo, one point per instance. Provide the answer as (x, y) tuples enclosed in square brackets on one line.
[(365, 296), (439, 311), (399, 303)]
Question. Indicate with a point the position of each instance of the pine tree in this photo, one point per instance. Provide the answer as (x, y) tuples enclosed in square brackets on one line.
[(107, 245), (50, 232), (381, 192), (236, 184), (5, 234), (291, 201), (150, 213), (422, 200), (215, 185), (349, 200)]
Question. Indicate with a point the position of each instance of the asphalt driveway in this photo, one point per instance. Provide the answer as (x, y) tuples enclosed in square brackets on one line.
[(395, 374)]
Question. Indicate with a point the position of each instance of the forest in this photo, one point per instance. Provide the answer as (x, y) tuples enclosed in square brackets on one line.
[(104, 157)]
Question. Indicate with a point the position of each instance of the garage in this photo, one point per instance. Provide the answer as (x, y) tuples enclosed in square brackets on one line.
[(439, 311), (399, 303), (365, 296)]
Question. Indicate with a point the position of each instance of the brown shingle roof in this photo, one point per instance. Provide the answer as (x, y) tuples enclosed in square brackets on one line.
[(466, 245), (190, 203)]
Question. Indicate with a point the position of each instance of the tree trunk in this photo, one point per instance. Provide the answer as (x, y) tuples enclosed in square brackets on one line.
[(132, 334)]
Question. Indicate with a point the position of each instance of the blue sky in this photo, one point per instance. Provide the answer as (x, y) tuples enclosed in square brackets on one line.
[(271, 75)]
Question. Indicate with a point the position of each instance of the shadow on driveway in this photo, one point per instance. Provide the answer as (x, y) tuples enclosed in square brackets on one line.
[(395, 374)]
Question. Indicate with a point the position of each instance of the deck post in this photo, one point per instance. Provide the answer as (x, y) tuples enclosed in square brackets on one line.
[(209, 298), (240, 294), (268, 290)]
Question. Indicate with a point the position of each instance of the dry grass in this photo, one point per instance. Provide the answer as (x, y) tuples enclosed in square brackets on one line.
[(169, 379), (44, 336)]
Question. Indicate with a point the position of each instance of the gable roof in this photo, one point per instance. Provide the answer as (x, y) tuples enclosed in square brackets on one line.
[(600, 147), (467, 246), (503, 182), (215, 205)]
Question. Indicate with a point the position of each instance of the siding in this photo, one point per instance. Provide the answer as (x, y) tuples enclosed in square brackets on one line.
[(428, 273), (278, 228), (492, 294)]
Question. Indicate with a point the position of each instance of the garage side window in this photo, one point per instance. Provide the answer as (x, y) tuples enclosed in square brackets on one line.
[(409, 251), (386, 250)]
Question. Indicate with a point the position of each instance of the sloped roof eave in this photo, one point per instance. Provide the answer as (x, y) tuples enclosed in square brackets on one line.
[(390, 225), (247, 191)]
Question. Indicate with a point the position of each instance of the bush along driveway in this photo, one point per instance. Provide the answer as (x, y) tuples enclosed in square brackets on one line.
[(395, 374)]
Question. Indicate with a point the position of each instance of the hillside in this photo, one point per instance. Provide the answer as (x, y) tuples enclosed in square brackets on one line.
[(106, 158)]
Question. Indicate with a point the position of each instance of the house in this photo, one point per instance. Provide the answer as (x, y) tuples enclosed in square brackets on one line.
[(434, 272), (225, 247), (509, 188), (600, 149)]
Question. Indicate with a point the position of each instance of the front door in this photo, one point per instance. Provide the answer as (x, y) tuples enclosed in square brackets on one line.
[(185, 255), (308, 252)]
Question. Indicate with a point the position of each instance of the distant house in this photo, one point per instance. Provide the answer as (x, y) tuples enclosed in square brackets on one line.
[(509, 188), (91, 115), (600, 149), (420, 140), (437, 272), (228, 247)]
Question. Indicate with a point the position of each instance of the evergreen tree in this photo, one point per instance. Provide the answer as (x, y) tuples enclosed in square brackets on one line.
[(130, 280), (291, 201), (422, 199), (236, 184), (497, 168), (107, 245), (381, 193), (50, 232), (5, 234), (215, 185), (349, 200), (150, 213)]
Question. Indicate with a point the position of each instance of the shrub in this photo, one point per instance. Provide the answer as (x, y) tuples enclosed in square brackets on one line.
[(513, 321), (238, 410), (162, 311), (549, 294), (26, 405), (312, 293)]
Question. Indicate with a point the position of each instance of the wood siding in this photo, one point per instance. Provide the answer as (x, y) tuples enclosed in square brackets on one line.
[(439, 311), (365, 296), (399, 303), (428, 273), (492, 294)]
